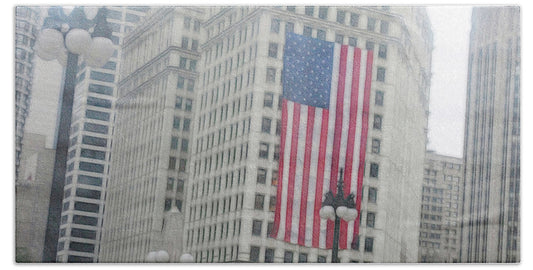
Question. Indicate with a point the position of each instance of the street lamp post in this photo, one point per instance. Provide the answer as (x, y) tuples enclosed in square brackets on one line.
[(337, 207), (66, 35)]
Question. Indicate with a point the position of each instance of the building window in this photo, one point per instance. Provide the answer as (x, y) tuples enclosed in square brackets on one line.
[(276, 152), (341, 15), (273, 50), (323, 13), (194, 45), (254, 254), (182, 165), (263, 150), (287, 256), (269, 100), (379, 98), (321, 34), (183, 63), (176, 122), (179, 102), (259, 201), (272, 204), (192, 65), (369, 45), (274, 26), (371, 25), (269, 255), (374, 170), (186, 124), (354, 19), (180, 185), (355, 244), (384, 27), (184, 145), (376, 145), (369, 244), (352, 41), (265, 125), (308, 31), (270, 226), (321, 259), (380, 74), (187, 23), (382, 52), (372, 195), (271, 75), (309, 10), (190, 85), (256, 227), (291, 8), (172, 163), (261, 175), (181, 82), (289, 27), (185, 42), (370, 219), (377, 121), (339, 38), (302, 257), (274, 181), (188, 105)]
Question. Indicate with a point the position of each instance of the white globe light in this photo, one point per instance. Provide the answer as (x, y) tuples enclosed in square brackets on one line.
[(49, 43), (65, 27), (100, 51), (162, 256), (62, 57), (186, 258), (150, 258), (350, 215), (43, 54), (78, 41), (327, 212), (341, 211)]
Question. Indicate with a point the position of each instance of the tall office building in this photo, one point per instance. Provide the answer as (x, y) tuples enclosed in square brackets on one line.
[(440, 217), (89, 149), (231, 192), (491, 223), (27, 25), (153, 127)]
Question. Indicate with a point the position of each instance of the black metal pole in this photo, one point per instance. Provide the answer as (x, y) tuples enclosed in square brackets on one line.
[(60, 163), (336, 233)]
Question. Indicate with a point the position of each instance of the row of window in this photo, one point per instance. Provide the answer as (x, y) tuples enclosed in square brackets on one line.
[(214, 232), (231, 42), (220, 182), (218, 71), (176, 122), (185, 44), (187, 63), (218, 115), (174, 143), (182, 166), (228, 133)]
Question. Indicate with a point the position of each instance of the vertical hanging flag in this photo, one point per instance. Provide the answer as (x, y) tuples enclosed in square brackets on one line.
[(326, 93)]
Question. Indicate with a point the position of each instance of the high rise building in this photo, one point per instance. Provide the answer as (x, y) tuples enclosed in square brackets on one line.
[(440, 217), (198, 109), (27, 25), (89, 149), (153, 127), (491, 221), (231, 192)]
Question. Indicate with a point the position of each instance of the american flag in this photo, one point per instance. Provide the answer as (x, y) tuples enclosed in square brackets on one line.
[(326, 93)]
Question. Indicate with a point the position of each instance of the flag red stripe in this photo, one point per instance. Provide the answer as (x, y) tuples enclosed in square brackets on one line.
[(292, 170), (305, 177), (283, 135), (364, 133), (337, 135), (320, 176), (354, 99)]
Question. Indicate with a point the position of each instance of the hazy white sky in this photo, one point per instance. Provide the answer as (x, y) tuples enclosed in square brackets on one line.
[(451, 30)]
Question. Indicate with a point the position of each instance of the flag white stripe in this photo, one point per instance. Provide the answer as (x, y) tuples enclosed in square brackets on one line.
[(312, 177), (298, 175)]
